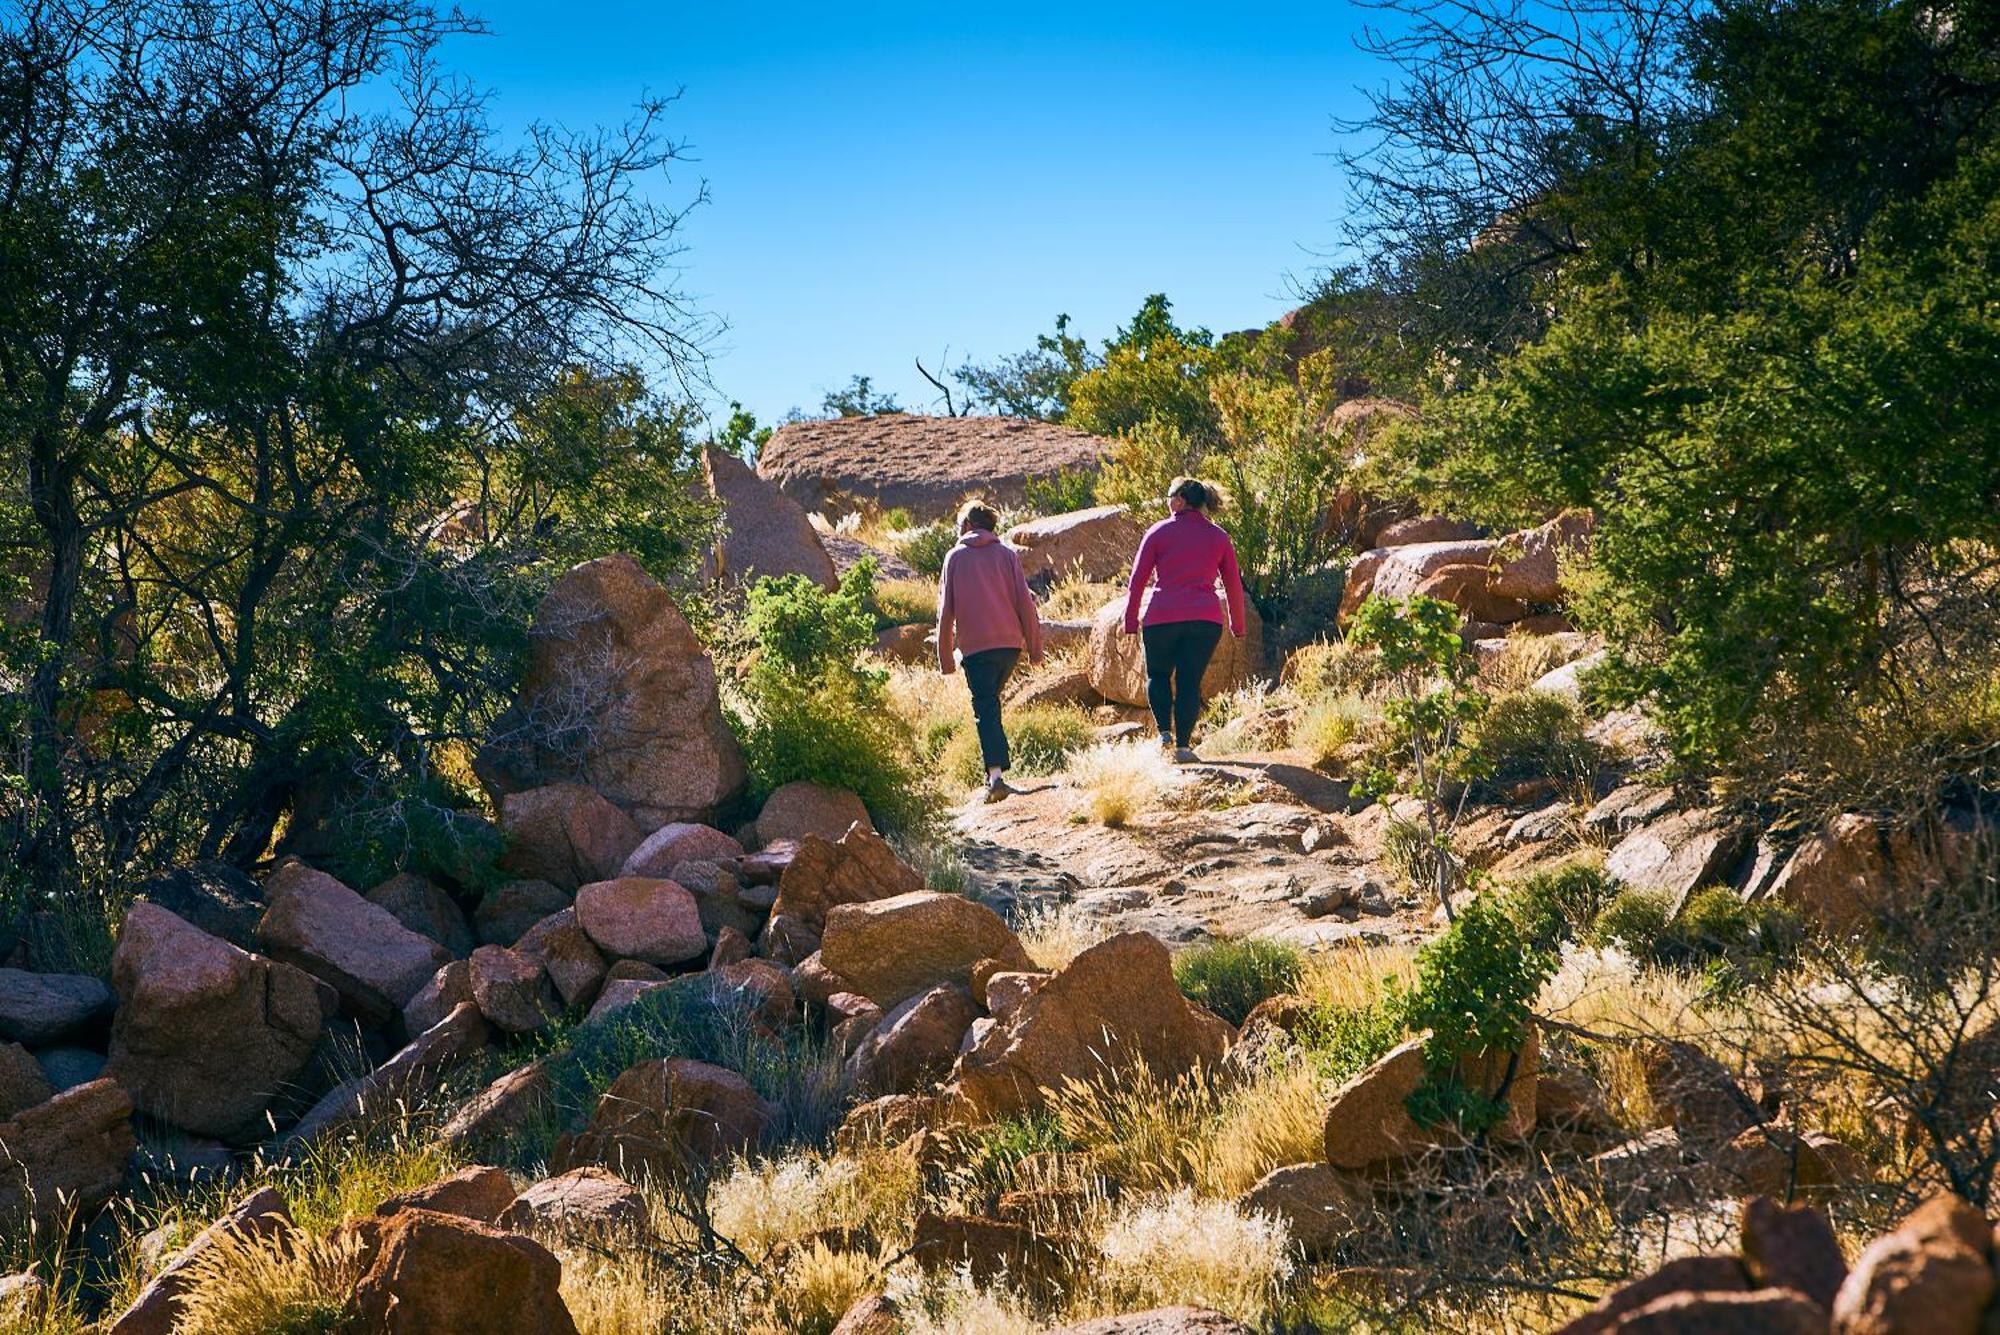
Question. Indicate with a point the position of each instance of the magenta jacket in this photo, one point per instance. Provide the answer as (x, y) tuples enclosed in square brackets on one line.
[(984, 602), (1185, 553)]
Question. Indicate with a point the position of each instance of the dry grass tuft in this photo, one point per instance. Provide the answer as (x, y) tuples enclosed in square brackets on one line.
[(1160, 1251), (1330, 725), (1121, 780), (954, 1305), (1523, 661), (759, 1206), (294, 1285), (816, 1287), (1053, 935)]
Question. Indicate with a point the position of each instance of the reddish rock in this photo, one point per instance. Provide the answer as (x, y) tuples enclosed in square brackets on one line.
[(1931, 1273), (438, 1274), (892, 949), (617, 994), (207, 1036), (676, 842), (156, 1311), (666, 1116), (1115, 1005), (566, 953), (1395, 572), (731, 947), (65, 1153), (914, 1043), (1766, 1312), (1695, 1095), (989, 1251), (644, 918), (1680, 853), (500, 1111), (797, 809), (1468, 588), (477, 1192), (619, 695), (816, 982), (1094, 544), (423, 906), (1771, 1160), (874, 1314), (511, 990), (588, 1202), (448, 989), (860, 867), (765, 986), (1849, 872), (565, 834), (1691, 1274), (1369, 1122), (42, 1008), (510, 910), (1792, 1249), (23, 1083), (1319, 1204), (1527, 565), (765, 533), (319, 925), (911, 644), (1425, 528)]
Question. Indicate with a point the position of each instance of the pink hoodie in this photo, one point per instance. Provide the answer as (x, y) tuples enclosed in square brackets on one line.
[(984, 602), (1187, 552)]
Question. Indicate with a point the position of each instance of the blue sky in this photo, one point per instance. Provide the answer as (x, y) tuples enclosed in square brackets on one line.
[(890, 181)]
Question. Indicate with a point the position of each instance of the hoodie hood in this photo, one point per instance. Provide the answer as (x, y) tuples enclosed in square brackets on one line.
[(979, 537)]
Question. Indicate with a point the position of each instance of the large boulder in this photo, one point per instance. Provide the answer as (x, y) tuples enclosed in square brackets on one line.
[(207, 1036), (510, 909), (1369, 1122), (667, 1117), (511, 990), (1850, 870), (642, 918), (802, 807), (925, 465), (765, 533), (1932, 1272), (589, 1203), (477, 1192), (890, 949), (42, 1008), (498, 1112), (914, 1043), (565, 951), (422, 905), (1398, 572), (1680, 853), (438, 1274), (621, 697), (1318, 1204), (23, 1083), (214, 896), (156, 1311), (317, 924), (1687, 1274), (65, 1153), (822, 873), (1112, 1007), (1469, 588), (1792, 1248), (1098, 544), (1527, 565), (1118, 660), (564, 835)]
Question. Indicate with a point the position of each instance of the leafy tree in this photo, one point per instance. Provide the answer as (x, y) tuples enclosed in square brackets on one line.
[(1035, 383), (303, 405), (741, 435), (858, 399)]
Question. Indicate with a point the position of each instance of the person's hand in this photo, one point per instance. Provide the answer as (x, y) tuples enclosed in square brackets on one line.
[(1034, 660)]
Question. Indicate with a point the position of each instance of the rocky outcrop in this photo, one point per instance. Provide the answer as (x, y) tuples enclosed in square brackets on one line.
[(925, 465), (1369, 1122), (42, 1008), (821, 874), (511, 990), (797, 809), (765, 533), (207, 1036), (914, 1043), (1113, 1006), (1397, 572), (676, 842), (214, 896), (892, 949), (1097, 544), (1317, 1203), (437, 1274), (590, 1203), (499, 1111), (371, 960), (1680, 853), (567, 954), (65, 1153), (667, 1116), (422, 905), (1118, 660), (1852, 869), (619, 697), (1528, 564)]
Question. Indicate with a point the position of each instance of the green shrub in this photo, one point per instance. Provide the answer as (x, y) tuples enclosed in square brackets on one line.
[(839, 733), (1715, 930), (1060, 492), (1559, 904), (1635, 921), (1342, 1043), (805, 630), (926, 548), (1041, 738), (1533, 735), (1231, 977), (904, 602)]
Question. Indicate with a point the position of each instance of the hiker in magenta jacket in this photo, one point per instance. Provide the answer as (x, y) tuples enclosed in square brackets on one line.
[(1185, 553), (986, 612)]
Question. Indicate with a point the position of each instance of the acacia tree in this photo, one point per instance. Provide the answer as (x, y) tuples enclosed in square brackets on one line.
[(301, 403)]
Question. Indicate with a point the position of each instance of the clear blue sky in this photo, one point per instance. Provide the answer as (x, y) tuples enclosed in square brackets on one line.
[(890, 181)]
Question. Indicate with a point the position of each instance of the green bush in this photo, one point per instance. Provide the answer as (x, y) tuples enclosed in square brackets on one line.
[(1042, 738), (926, 549), (1635, 921), (1534, 735), (839, 733), (1715, 930), (802, 629), (1060, 492), (1231, 977), (1342, 1043), (1559, 904)]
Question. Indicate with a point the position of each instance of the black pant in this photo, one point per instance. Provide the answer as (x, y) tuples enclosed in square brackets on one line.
[(1177, 654), (985, 673)]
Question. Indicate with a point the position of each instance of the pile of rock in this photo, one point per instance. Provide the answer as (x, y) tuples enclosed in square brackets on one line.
[(1506, 585)]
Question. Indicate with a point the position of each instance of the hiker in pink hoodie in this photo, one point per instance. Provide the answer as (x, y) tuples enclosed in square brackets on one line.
[(986, 612), (1185, 554)]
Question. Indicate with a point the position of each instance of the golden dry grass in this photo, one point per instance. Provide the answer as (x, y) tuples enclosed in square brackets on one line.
[(1053, 935), (1158, 1251), (294, 1285), (1117, 782)]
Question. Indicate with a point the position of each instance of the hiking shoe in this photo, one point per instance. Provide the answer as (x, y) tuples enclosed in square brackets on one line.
[(997, 789), (1185, 755)]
